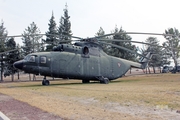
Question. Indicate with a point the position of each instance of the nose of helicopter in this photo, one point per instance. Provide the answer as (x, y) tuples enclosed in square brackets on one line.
[(18, 64)]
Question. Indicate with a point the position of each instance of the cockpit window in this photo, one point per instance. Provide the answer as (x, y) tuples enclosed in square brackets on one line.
[(32, 59), (43, 60), (27, 57)]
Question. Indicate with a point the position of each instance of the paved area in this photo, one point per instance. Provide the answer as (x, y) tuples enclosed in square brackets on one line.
[(15, 109), (3, 117)]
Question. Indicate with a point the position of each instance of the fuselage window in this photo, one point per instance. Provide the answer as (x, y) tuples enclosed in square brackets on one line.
[(32, 59), (94, 51), (43, 60)]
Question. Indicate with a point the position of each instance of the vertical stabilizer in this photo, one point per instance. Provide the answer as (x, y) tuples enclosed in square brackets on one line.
[(145, 60)]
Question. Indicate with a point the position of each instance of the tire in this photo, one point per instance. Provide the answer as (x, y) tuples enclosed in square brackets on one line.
[(106, 81), (85, 81), (45, 82)]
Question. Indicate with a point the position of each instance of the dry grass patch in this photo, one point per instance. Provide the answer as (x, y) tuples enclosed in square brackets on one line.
[(124, 98)]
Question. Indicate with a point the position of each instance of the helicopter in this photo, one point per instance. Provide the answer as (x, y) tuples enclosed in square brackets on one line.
[(84, 60)]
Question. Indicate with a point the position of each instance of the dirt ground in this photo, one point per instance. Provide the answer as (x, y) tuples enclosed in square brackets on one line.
[(16, 110), (137, 97)]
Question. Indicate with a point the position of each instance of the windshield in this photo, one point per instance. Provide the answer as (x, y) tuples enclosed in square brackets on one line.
[(27, 57), (30, 58)]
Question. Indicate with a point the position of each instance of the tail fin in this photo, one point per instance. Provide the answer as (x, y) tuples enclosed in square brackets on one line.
[(145, 60)]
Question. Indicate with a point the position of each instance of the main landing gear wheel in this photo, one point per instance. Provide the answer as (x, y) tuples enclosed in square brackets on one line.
[(104, 80), (45, 82), (85, 81)]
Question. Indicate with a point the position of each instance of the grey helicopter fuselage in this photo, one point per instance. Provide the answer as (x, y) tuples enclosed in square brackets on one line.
[(85, 61)]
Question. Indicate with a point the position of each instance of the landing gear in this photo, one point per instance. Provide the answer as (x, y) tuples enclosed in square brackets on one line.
[(103, 80), (85, 81), (45, 82), (106, 81)]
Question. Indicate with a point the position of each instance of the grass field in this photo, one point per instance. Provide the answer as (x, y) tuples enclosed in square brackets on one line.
[(152, 96)]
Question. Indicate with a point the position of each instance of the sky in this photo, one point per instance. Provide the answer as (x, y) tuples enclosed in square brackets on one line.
[(87, 16)]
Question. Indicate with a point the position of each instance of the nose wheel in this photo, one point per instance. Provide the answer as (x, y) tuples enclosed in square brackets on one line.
[(103, 80), (45, 82)]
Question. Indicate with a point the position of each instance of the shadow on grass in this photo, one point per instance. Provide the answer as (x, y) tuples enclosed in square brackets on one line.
[(64, 83), (52, 84), (125, 81)]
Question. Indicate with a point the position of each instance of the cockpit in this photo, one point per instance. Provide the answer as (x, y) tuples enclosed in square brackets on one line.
[(32, 59)]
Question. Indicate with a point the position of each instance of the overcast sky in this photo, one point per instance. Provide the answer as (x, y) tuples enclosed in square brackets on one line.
[(87, 16)]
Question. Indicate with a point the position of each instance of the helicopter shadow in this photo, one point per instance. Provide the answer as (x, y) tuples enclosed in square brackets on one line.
[(53, 84)]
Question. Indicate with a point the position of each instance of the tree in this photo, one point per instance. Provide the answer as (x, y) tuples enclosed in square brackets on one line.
[(172, 44), (51, 35), (64, 29), (3, 37), (10, 58), (166, 55), (156, 51), (31, 39), (101, 32), (123, 53)]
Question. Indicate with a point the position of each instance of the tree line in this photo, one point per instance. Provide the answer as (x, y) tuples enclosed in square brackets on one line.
[(33, 41)]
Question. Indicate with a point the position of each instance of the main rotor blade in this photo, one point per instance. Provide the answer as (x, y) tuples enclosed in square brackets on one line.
[(21, 35), (147, 33), (66, 41), (142, 33), (64, 35), (9, 51), (120, 47), (119, 40), (42, 35), (69, 36)]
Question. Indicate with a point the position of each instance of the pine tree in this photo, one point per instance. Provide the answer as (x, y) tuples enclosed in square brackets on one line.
[(3, 37), (64, 29), (11, 57), (172, 44), (51, 35), (101, 32), (156, 51), (123, 53), (31, 39)]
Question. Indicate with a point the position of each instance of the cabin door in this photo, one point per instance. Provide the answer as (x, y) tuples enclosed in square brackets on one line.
[(55, 67), (85, 67), (94, 67)]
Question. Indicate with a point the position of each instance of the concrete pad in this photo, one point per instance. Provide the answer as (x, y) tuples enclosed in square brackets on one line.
[(3, 117)]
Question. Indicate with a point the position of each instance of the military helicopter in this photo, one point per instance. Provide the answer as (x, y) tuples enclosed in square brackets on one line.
[(84, 60)]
